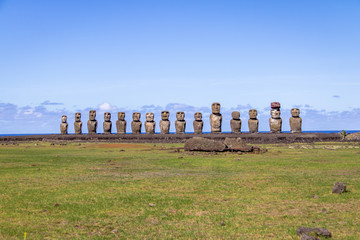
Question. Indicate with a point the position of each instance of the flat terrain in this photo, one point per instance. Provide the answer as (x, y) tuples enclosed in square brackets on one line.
[(158, 191)]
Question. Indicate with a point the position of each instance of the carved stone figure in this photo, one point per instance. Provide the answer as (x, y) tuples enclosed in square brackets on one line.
[(121, 123), (198, 123), (275, 121), (150, 123), (295, 121), (180, 123), (253, 122), (78, 123), (107, 123), (215, 118), (136, 123), (235, 122), (64, 125), (92, 122), (164, 123)]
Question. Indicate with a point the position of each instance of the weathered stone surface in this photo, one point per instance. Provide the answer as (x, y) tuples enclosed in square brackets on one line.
[(307, 237), (164, 122), (107, 124), (235, 122), (149, 123), (253, 122), (339, 187), (92, 122), (203, 144), (295, 121), (121, 123), (78, 123), (275, 121), (318, 231), (64, 125), (237, 144), (180, 123), (136, 123), (215, 118), (198, 123)]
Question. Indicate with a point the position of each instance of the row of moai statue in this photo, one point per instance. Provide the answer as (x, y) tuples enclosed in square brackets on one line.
[(275, 122)]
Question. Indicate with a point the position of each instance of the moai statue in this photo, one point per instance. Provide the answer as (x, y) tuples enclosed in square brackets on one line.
[(92, 122), (215, 118), (180, 123), (64, 125), (107, 123), (198, 123), (275, 120), (136, 123), (150, 123), (295, 121), (235, 122), (121, 123), (78, 123), (164, 123), (253, 122)]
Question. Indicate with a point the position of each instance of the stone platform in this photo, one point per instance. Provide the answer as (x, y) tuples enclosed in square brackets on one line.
[(258, 138)]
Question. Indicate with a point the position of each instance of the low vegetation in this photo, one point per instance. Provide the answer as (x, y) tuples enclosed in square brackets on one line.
[(147, 191)]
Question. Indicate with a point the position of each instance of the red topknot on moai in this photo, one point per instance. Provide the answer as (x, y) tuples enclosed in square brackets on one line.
[(275, 121)]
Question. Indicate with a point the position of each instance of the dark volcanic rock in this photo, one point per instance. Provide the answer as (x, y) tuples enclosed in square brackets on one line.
[(237, 144), (339, 187), (318, 231), (307, 237), (204, 144)]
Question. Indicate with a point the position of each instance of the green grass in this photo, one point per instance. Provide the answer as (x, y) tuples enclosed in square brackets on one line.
[(147, 191)]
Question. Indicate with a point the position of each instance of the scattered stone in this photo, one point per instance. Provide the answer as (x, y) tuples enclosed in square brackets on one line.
[(56, 204), (237, 144), (222, 223), (339, 187), (318, 231), (204, 144), (316, 196), (152, 205), (180, 157), (44, 210), (114, 230), (307, 237)]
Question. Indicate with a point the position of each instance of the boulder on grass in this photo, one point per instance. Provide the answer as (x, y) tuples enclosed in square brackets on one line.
[(322, 232), (237, 144), (204, 144), (339, 187)]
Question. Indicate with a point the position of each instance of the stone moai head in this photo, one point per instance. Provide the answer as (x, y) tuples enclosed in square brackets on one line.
[(121, 116), (235, 115), (107, 117), (275, 110), (198, 116), (92, 115), (136, 116), (63, 118), (77, 117), (180, 116), (215, 107), (295, 112), (149, 117), (165, 115), (253, 113)]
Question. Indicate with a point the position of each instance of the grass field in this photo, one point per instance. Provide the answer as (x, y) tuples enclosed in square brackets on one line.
[(147, 191)]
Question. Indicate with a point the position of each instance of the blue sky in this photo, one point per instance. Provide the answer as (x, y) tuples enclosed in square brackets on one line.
[(59, 57)]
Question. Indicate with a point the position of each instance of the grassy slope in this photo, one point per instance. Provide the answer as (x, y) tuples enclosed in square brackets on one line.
[(98, 191)]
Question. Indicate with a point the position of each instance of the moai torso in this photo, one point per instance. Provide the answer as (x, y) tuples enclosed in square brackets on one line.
[(275, 121), (215, 118), (136, 123), (198, 123), (164, 123), (295, 121), (149, 123), (180, 123), (121, 123), (253, 122), (64, 125), (107, 123), (235, 122), (78, 123), (92, 122)]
